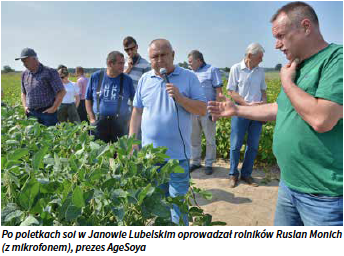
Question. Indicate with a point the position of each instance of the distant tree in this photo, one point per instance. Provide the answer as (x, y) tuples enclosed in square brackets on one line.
[(7, 69), (184, 65), (278, 67), (227, 69)]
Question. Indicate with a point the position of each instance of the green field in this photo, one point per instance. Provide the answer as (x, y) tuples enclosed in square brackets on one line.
[(60, 176)]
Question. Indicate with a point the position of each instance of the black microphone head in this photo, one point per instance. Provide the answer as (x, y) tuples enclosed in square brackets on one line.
[(163, 71)]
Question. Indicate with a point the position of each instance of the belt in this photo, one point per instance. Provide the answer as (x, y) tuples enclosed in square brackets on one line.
[(67, 103), (108, 117), (39, 109)]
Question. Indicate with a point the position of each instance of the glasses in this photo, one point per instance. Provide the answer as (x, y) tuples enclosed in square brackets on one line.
[(62, 77), (129, 49)]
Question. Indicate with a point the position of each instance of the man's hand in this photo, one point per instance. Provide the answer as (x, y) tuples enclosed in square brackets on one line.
[(26, 109), (134, 147), (173, 91), (50, 110), (92, 120), (130, 65), (288, 73), (222, 109)]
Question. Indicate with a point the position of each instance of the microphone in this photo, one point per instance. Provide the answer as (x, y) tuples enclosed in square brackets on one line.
[(163, 72)]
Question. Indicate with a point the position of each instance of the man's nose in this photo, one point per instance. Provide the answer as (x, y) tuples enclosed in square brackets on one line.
[(278, 44)]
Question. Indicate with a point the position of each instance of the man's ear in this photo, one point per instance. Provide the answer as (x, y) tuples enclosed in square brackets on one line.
[(173, 55), (307, 26)]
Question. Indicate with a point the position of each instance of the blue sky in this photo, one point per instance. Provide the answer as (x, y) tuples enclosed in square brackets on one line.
[(83, 33)]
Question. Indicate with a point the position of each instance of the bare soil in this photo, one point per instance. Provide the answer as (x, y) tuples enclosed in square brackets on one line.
[(243, 205)]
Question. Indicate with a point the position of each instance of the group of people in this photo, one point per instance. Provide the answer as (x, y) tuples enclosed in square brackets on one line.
[(165, 105)]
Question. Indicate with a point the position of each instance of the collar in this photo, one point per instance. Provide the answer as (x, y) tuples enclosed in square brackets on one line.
[(175, 72), (202, 66)]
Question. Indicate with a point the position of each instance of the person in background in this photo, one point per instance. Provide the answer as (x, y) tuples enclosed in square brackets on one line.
[(308, 136), (42, 90), (211, 83), (247, 87), (107, 98), (82, 84), (68, 108), (135, 66)]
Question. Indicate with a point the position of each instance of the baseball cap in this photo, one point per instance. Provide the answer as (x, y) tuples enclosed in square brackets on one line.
[(27, 52)]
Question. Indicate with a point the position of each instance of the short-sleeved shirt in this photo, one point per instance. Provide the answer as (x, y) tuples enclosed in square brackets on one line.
[(140, 67), (312, 162), (109, 94), (210, 79), (41, 87), (159, 119), (82, 84), (72, 90), (249, 83)]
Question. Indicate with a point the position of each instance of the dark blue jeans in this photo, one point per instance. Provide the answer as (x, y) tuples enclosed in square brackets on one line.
[(299, 209), (44, 118), (239, 127)]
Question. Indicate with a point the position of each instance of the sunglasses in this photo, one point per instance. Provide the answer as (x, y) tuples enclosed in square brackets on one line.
[(62, 77), (129, 49)]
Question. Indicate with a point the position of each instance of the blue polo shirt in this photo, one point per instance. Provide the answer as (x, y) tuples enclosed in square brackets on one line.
[(210, 79), (159, 119), (109, 94)]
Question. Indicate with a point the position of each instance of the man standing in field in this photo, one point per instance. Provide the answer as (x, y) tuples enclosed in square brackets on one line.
[(135, 66), (211, 83), (308, 137), (42, 90), (107, 98), (82, 84), (163, 107), (247, 87)]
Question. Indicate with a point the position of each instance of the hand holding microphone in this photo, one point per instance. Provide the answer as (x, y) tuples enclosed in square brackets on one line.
[(171, 89)]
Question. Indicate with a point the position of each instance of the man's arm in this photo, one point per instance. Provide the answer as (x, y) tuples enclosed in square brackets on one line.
[(237, 98), (89, 110), (130, 66), (266, 112), (58, 99), (23, 100), (135, 121), (319, 113), (195, 107), (218, 93), (77, 100)]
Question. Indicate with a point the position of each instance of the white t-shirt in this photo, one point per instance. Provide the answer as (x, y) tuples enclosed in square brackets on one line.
[(72, 90), (248, 83)]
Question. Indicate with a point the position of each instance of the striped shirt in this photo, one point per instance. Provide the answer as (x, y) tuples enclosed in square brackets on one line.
[(41, 87), (140, 67)]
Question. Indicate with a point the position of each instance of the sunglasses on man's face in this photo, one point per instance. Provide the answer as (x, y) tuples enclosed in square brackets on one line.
[(62, 77), (130, 49)]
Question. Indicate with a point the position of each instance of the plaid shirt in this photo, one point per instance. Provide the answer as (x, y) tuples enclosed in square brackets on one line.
[(41, 87)]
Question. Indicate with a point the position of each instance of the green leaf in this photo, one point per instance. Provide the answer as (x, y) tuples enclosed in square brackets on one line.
[(14, 214), (94, 146), (178, 169), (38, 158), (30, 221), (28, 194), (72, 212), (17, 154), (12, 142), (147, 191), (78, 198)]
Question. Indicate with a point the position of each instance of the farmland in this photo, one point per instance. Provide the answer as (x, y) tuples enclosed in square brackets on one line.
[(60, 176)]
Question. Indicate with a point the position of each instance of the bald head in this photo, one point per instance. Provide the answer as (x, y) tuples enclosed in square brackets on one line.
[(160, 43), (161, 55)]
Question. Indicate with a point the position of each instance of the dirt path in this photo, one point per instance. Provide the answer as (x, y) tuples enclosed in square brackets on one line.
[(243, 205)]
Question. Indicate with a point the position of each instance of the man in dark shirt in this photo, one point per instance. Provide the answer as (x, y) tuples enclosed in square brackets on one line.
[(42, 90), (107, 97)]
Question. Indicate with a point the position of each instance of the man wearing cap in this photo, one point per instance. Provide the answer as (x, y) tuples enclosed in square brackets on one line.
[(107, 96), (42, 90), (211, 83)]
